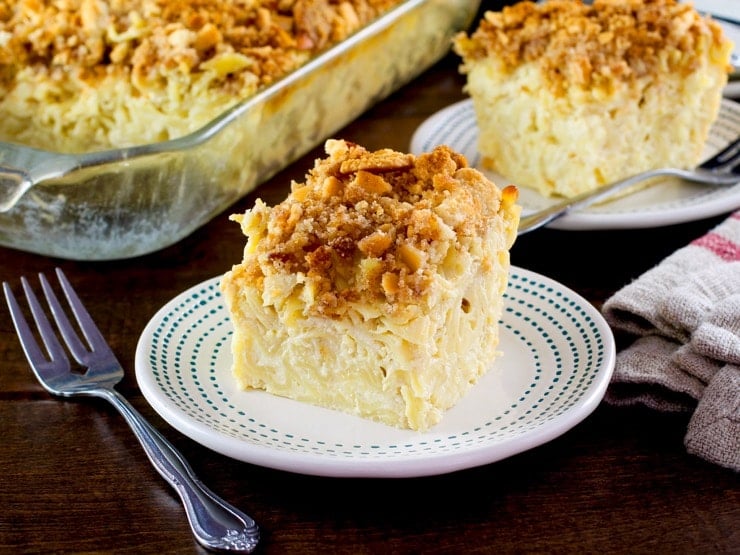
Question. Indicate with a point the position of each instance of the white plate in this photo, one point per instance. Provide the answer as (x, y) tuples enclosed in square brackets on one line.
[(670, 202), (558, 359)]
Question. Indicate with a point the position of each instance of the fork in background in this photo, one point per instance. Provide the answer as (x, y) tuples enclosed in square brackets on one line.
[(722, 169), (215, 524)]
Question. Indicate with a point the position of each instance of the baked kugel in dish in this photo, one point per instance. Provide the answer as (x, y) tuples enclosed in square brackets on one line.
[(82, 75)]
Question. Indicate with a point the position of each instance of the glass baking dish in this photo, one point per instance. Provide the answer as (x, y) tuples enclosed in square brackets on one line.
[(127, 202)]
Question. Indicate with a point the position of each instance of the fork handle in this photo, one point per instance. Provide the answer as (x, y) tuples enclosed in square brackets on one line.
[(216, 524), (703, 174), (543, 217)]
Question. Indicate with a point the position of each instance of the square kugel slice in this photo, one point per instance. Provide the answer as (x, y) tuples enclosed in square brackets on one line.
[(376, 287), (569, 97)]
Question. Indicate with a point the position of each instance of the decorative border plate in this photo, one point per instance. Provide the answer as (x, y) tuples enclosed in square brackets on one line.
[(558, 356), (670, 202)]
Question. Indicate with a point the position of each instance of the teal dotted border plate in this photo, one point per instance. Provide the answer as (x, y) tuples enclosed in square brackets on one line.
[(558, 356), (670, 202)]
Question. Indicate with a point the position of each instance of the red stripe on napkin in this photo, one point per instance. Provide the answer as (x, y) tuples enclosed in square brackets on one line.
[(719, 245)]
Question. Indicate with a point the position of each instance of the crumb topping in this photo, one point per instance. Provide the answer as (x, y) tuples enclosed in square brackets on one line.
[(243, 41), (372, 225), (597, 45)]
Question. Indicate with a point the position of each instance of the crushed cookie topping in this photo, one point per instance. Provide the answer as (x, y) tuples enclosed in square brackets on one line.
[(597, 45), (263, 39), (373, 225)]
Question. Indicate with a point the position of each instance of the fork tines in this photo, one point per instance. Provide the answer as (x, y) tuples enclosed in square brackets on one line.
[(36, 357), (55, 350)]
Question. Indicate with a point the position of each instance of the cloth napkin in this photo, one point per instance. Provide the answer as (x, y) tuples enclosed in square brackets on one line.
[(684, 316)]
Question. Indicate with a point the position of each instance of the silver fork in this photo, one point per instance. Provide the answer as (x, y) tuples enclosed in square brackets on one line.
[(721, 169), (215, 524)]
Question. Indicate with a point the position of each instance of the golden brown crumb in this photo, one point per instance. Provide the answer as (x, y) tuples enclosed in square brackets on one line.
[(374, 225), (146, 38), (595, 45)]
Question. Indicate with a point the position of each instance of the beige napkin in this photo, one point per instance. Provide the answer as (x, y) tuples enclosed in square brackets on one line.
[(685, 316)]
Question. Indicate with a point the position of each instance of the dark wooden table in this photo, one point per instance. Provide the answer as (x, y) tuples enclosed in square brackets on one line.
[(74, 479)]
